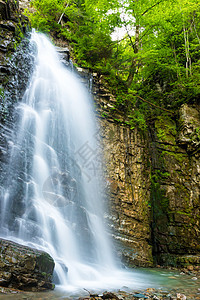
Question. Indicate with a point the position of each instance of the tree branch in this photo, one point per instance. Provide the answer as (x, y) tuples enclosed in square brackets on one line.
[(148, 9), (132, 44), (63, 12), (152, 104)]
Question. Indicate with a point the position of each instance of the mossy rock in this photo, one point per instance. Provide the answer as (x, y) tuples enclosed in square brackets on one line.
[(25, 268), (178, 261)]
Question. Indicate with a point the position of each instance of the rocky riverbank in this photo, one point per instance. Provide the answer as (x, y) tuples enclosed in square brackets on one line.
[(150, 293), (183, 284)]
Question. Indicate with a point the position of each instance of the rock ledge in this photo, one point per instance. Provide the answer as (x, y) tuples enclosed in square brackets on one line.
[(24, 268)]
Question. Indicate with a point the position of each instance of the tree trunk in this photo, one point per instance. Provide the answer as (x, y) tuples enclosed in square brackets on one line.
[(134, 64)]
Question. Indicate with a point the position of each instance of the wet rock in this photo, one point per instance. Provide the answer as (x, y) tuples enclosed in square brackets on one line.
[(190, 268), (64, 54), (25, 268), (139, 296), (16, 66), (5, 278), (181, 297), (10, 26), (4, 10), (175, 188), (189, 128), (108, 295), (129, 215)]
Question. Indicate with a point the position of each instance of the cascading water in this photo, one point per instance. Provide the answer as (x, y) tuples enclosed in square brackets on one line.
[(51, 192), (52, 161)]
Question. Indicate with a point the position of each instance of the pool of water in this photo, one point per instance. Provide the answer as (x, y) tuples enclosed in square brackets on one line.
[(136, 280)]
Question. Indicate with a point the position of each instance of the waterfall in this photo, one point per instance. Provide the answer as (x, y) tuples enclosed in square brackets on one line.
[(52, 188), (51, 185)]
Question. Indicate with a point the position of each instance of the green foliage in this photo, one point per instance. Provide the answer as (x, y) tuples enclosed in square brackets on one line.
[(84, 26), (158, 59), (137, 119), (46, 14)]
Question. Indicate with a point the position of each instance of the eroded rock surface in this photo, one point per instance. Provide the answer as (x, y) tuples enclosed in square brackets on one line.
[(25, 268), (127, 175), (154, 184), (176, 187)]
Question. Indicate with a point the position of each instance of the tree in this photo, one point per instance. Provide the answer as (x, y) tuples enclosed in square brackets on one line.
[(158, 58)]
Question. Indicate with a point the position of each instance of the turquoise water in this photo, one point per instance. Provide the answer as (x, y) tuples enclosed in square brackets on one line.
[(160, 279)]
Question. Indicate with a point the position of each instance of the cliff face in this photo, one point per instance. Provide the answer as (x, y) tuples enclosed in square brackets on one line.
[(15, 57), (175, 192), (16, 63), (127, 171), (153, 181), (128, 178)]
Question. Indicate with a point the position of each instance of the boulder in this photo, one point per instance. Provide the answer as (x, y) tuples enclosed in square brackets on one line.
[(25, 268)]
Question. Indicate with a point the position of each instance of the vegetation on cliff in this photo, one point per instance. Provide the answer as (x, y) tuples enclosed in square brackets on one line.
[(156, 60)]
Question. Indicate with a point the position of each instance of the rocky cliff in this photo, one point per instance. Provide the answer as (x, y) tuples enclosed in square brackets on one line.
[(16, 66), (175, 191), (15, 55), (154, 184), (128, 178)]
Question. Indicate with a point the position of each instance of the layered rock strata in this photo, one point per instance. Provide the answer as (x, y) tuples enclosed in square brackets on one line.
[(154, 184)]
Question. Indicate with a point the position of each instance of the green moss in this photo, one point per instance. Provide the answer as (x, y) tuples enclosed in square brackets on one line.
[(160, 201), (178, 261), (166, 129), (183, 213), (178, 156), (104, 115)]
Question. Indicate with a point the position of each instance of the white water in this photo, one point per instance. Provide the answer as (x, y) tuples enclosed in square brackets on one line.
[(52, 194)]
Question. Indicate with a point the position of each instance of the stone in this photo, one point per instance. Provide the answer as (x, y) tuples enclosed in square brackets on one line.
[(5, 278), (181, 297), (109, 295), (64, 53), (190, 268), (140, 296), (8, 25), (150, 290), (24, 268), (175, 188)]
